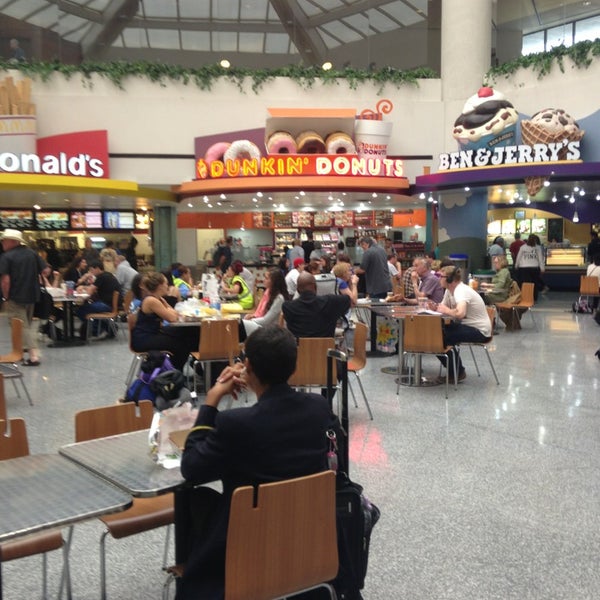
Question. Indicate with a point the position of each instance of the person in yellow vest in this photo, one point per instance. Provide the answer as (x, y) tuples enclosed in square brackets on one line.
[(237, 285)]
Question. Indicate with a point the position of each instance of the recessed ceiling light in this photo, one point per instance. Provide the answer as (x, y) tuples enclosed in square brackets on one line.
[(259, 194), (37, 206), (225, 63), (223, 197), (327, 66), (190, 205)]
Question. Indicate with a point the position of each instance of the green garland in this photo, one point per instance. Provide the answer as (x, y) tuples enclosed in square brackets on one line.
[(206, 76), (582, 54)]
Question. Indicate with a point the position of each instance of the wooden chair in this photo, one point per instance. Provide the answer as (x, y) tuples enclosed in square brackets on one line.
[(219, 341), (9, 363), (589, 287), (491, 311), (282, 538), (110, 317), (358, 360), (14, 444), (524, 305), (145, 513), (311, 365), (423, 334)]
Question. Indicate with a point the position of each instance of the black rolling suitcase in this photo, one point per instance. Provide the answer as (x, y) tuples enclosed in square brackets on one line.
[(356, 515)]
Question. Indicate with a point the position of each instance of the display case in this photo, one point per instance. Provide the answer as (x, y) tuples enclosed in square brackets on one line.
[(408, 251), (573, 256)]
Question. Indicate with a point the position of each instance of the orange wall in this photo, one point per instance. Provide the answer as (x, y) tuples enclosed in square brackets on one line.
[(418, 217)]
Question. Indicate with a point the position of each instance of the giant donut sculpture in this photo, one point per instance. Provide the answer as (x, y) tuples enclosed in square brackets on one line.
[(242, 149), (339, 142), (216, 152), (310, 142), (281, 142)]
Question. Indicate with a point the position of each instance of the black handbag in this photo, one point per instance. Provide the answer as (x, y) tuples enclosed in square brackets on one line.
[(43, 307)]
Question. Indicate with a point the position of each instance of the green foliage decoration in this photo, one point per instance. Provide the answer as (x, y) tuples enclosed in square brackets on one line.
[(206, 76), (581, 54)]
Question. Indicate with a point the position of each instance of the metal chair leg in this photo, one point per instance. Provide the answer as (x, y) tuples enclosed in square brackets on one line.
[(474, 360), (364, 395), (103, 565), (487, 352), (353, 396)]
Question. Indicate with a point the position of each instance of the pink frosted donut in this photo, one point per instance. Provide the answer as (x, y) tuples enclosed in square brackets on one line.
[(339, 143), (216, 152), (241, 149), (281, 142)]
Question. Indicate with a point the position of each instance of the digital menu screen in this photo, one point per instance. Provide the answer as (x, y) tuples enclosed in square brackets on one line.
[(538, 226), (52, 220), (524, 226), (16, 219), (88, 219), (494, 227), (116, 219), (509, 226)]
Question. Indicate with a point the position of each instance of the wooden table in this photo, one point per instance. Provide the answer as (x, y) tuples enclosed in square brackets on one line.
[(46, 491)]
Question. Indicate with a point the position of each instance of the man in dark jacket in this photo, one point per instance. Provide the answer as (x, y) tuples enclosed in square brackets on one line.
[(282, 436), (310, 315)]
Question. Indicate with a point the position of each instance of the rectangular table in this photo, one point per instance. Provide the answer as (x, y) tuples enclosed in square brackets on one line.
[(46, 491), (125, 461), (69, 337)]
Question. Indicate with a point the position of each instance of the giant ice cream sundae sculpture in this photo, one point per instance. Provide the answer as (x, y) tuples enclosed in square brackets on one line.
[(487, 120)]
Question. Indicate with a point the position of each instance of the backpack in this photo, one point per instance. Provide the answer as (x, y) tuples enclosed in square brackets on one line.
[(154, 363), (581, 306), (168, 384)]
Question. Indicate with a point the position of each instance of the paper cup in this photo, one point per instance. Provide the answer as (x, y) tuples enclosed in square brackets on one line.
[(372, 138)]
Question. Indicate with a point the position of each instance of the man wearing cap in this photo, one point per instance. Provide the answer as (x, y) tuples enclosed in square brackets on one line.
[(20, 269), (291, 279)]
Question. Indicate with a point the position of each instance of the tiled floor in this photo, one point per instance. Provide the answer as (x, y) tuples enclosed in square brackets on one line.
[(491, 494)]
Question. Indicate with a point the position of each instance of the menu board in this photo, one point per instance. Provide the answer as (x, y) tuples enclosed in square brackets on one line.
[(301, 219), (345, 218), (52, 220), (87, 219), (16, 219), (509, 227), (116, 219), (262, 220), (538, 226), (282, 219), (142, 220), (322, 219), (494, 227), (382, 218), (363, 219), (524, 226)]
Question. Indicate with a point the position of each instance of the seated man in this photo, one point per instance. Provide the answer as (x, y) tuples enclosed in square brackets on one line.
[(425, 282), (471, 322), (101, 296), (310, 315), (280, 437)]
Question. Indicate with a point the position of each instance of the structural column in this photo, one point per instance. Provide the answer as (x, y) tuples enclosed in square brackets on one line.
[(164, 236)]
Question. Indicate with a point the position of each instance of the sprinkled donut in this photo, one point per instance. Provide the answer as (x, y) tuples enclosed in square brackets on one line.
[(339, 142), (241, 149), (216, 152), (281, 142), (310, 142)]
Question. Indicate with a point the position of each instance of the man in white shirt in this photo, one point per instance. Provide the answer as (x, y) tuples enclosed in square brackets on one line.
[(395, 272), (291, 279), (124, 273), (471, 322)]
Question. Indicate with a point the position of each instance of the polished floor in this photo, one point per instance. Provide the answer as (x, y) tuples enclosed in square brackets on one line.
[(491, 494)]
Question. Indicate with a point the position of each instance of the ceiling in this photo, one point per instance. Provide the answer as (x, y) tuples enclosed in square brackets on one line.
[(251, 33)]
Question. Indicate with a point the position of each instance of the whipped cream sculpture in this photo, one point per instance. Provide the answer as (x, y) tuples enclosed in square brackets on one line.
[(488, 119), (549, 126)]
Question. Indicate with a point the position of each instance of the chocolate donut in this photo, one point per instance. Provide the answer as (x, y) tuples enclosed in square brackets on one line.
[(310, 142)]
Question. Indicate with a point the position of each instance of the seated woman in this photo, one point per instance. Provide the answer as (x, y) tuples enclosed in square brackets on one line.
[(497, 290), (237, 285), (182, 280), (269, 307), (77, 271), (148, 332), (347, 282)]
